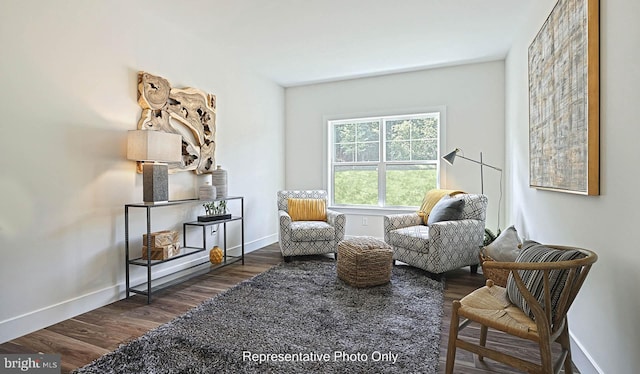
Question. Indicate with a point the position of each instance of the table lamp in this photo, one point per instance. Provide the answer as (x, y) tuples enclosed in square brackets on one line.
[(154, 149)]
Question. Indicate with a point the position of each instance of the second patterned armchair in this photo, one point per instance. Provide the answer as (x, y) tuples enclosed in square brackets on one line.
[(307, 227), (441, 246)]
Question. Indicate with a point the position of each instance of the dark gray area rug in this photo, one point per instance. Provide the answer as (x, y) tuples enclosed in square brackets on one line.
[(297, 317)]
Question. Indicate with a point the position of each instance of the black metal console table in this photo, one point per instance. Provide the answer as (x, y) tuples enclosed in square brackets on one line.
[(146, 288)]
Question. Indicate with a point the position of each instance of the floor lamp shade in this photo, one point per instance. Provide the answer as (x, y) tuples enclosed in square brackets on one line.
[(451, 156), (154, 149)]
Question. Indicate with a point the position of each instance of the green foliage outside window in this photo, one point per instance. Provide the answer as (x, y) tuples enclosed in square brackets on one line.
[(404, 187), (403, 148), (408, 187), (357, 142), (357, 187), (412, 139)]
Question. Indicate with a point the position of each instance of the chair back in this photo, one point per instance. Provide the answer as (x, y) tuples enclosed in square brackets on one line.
[(553, 287), (475, 206), (285, 195)]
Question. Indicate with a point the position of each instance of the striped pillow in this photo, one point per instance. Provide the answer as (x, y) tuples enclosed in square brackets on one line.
[(533, 279), (307, 209)]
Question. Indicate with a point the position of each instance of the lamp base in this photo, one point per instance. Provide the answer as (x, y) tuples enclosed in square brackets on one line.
[(155, 183)]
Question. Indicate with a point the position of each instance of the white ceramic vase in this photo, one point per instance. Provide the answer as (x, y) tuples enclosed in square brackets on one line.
[(207, 192), (219, 180)]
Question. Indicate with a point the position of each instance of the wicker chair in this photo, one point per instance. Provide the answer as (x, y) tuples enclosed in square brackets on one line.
[(545, 323), (298, 238)]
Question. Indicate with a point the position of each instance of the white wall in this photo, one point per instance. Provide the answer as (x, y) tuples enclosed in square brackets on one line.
[(67, 97), (474, 99), (604, 317)]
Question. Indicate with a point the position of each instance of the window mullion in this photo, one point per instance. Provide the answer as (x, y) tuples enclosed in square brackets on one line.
[(410, 143), (382, 168), (332, 160)]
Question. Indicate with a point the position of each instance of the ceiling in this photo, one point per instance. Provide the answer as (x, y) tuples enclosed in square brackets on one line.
[(296, 42)]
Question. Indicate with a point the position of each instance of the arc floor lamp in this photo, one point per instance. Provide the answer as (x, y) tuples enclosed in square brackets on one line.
[(451, 156)]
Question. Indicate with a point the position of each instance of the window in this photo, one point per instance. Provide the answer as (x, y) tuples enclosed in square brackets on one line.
[(386, 161)]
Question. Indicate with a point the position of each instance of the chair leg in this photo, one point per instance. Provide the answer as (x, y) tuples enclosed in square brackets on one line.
[(474, 269), (287, 258), (546, 359), (483, 339), (453, 336), (335, 255), (563, 339)]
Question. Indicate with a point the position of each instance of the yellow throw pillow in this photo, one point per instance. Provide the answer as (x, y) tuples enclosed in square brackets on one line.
[(431, 198), (307, 209)]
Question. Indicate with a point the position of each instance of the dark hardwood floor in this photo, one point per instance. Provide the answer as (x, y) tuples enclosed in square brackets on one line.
[(86, 337)]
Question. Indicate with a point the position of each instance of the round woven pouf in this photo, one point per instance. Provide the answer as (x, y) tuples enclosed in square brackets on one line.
[(364, 261)]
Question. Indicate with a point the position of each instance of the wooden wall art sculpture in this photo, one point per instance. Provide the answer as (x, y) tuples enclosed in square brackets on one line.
[(188, 112)]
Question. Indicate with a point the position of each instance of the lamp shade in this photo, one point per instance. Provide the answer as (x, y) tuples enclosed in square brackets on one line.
[(449, 157), (150, 145)]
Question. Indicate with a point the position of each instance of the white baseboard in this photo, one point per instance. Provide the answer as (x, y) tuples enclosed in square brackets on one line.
[(38, 319), (18, 326), (581, 358)]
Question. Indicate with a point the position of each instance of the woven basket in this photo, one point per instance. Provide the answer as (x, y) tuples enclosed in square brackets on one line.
[(364, 261), (498, 276)]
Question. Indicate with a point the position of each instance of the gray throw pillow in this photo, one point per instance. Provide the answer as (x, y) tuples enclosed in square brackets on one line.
[(534, 279), (447, 209), (506, 247)]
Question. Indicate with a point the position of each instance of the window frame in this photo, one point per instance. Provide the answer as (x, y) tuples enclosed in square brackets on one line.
[(382, 163)]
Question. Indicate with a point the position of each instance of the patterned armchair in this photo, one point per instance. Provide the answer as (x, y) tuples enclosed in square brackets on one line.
[(298, 238), (442, 246)]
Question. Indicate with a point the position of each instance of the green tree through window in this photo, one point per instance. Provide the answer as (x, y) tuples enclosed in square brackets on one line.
[(384, 161)]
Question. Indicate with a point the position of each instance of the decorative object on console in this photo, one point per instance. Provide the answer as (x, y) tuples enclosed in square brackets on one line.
[(161, 253), (188, 112), (154, 149), (164, 245), (564, 102), (215, 211), (451, 156), (219, 180), (207, 192), (216, 255)]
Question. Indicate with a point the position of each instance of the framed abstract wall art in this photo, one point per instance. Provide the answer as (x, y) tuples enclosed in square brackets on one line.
[(564, 105)]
